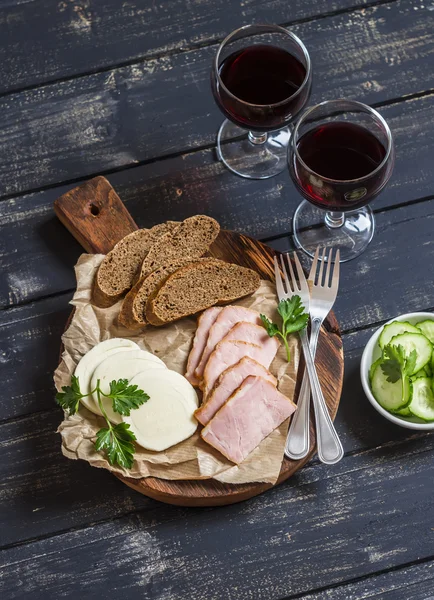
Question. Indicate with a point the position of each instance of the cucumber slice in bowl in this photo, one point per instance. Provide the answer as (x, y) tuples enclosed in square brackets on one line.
[(391, 396), (422, 401), (373, 352), (422, 373), (427, 328), (393, 329), (373, 367), (414, 341)]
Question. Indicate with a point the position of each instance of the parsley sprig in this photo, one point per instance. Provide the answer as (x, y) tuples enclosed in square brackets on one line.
[(294, 318), (115, 440), (397, 364)]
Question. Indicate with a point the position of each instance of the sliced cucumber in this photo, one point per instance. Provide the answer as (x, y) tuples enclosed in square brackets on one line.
[(422, 402), (418, 342), (428, 369), (393, 329), (390, 396), (403, 412), (427, 328), (373, 367), (422, 373)]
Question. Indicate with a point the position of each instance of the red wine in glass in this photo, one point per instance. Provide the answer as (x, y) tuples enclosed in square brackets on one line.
[(341, 157), (342, 161), (266, 77), (261, 78)]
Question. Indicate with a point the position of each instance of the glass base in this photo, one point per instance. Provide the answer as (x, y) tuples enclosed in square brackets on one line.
[(314, 227), (257, 156)]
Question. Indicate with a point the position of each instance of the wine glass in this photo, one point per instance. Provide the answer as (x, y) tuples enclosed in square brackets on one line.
[(261, 79), (341, 157)]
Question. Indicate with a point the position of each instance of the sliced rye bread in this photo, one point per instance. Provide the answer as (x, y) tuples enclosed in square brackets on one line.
[(132, 314), (118, 270), (198, 286), (189, 241)]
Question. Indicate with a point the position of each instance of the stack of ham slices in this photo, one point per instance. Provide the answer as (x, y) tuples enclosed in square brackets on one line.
[(229, 361)]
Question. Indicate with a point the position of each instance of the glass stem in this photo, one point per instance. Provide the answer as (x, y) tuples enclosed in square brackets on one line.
[(257, 138), (334, 220)]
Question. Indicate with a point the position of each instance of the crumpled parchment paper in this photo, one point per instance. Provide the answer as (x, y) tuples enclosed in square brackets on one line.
[(193, 458)]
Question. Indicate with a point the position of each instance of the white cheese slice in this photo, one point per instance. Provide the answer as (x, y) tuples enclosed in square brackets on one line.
[(125, 365), (166, 418), (91, 360), (179, 382)]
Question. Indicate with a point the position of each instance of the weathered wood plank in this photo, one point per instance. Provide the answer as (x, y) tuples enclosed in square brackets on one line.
[(29, 353), (373, 289), (41, 491), (32, 461), (190, 184), (370, 512), (136, 113), (87, 36), (415, 582)]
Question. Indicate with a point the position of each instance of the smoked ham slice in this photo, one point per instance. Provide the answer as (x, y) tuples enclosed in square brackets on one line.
[(204, 324), (248, 417), (227, 383), (228, 353), (248, 332), (228, 317)]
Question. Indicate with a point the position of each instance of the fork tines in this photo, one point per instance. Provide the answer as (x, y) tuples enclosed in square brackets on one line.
[(316, 277)]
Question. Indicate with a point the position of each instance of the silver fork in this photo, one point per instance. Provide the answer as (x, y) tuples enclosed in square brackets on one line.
[(329, 447), (322, 297)]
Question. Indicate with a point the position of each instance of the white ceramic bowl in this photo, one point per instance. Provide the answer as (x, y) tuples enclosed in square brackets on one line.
[(371, 353)]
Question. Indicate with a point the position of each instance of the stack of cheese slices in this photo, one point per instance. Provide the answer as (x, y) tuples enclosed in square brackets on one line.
[(229, 361), (167, 418)]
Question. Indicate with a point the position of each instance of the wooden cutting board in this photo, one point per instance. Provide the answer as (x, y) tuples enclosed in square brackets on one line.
[(98, 219)]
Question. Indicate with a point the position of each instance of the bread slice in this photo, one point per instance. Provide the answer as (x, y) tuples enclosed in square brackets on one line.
[(132, 313), (189, 241), (198, 286), (119, 268)]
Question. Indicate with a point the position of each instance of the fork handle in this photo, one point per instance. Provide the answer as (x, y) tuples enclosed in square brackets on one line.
[(330, 449), (298, 439)]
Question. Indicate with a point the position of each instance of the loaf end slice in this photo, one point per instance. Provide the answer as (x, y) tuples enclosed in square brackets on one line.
[(118, 270), (198, 286)]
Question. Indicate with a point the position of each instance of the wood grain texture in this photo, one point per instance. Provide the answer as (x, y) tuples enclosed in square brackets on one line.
[(106, 121), (392, 252), (414, 582), (28, 355), (370, 512), (95, 215), (333, 532), (87, 36), (42, 492), (231, 247), (247, 252), (187, 185)]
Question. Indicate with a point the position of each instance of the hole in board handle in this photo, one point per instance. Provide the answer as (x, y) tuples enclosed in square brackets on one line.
[(94, 209)]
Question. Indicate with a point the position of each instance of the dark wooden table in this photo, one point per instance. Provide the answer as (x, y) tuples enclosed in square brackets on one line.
[(122, 89)]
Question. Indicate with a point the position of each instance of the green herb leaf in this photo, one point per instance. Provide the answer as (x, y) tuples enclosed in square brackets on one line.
[(293, 315), (294, 319), (272, 328), (397, 364), (69, 397), (116, 441), (126, 397)]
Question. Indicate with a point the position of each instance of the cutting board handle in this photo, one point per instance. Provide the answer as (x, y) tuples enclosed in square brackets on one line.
[(95, 215)]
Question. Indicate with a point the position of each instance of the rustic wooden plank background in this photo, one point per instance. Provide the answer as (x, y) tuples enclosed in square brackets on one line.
[(94, 86)]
